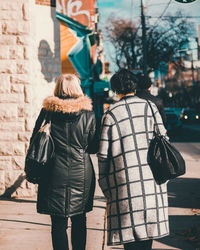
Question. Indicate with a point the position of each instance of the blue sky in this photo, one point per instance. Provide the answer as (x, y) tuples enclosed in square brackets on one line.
[(130, 9)]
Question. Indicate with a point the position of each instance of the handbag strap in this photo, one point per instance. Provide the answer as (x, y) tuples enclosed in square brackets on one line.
[(154, 117), (47, 119)]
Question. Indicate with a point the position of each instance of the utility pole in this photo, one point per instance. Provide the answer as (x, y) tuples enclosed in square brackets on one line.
[(144, 41), (192, 68)]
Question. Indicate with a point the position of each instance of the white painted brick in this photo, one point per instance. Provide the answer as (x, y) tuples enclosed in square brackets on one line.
[(7, 40), (9, 178), (12, 98), (29, 124), (23, 67), (28, 192), (25, 110), (28, 93), (12, 148), (7, 66), (23, 40), (5, 83), (15, 28), (24, 28), (8, 136), (16, 52), (24, 136), (17, 88), (26, 147), (12, 126), (5, 162), (18, 162), (8, 112), (2, 182), (9, 5), (21, 119), (26, 11), (4, 52), (10, 14), (19, 148), (28, 53), (20, 79), (30, 185)]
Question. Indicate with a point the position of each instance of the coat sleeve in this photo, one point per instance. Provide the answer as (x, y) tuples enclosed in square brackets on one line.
[(38, 123), (104, 155), (93, 137)]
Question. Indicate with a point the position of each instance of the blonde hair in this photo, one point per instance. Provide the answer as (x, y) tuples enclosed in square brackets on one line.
[(68, 85)]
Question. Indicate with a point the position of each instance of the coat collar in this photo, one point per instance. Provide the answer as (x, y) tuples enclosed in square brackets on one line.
[(72, 105), (127, 97)]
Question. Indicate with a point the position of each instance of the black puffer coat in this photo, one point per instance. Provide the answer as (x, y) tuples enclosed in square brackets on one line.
[(67, 187)]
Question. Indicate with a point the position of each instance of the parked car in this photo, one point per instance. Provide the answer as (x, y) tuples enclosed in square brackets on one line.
[(174, 123), (189, 115)]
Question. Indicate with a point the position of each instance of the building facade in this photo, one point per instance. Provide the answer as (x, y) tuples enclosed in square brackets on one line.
[(29, 66)]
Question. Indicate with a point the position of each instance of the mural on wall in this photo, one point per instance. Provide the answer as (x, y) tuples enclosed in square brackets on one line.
[(76, 25), (82, 11)]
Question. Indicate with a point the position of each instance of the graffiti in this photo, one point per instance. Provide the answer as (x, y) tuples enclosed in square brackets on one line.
[(72, 9), (76, 5), (60, 6)]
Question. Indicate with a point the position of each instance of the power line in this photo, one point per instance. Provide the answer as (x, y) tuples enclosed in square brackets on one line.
[(174, 16), (162, 14)]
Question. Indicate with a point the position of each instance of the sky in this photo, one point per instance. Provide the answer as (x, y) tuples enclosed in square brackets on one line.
[(130, 9)]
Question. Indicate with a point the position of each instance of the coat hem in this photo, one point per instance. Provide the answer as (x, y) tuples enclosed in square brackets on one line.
[(142, 239), (63, 215)]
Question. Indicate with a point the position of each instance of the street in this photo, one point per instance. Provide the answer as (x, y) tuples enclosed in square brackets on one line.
[(21, 228), (188, 133)]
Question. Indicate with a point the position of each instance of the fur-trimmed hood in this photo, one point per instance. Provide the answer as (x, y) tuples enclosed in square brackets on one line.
[(71, 105)]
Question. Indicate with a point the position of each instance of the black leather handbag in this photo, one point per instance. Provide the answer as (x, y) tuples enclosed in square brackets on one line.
[(164, 159), (40, 151)]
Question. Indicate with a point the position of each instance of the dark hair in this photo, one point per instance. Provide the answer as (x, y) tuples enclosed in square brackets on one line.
[(143, 82), (123, 82)]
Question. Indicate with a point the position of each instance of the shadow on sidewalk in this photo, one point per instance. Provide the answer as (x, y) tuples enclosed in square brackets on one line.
[(17, 200), (184, 193), (182, 234), (27, 222), (185, 224)]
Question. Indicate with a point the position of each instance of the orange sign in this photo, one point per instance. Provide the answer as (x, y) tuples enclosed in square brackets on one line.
[(82, 11)]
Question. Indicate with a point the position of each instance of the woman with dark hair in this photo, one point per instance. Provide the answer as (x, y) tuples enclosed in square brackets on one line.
[(137, 208), (66, 189)]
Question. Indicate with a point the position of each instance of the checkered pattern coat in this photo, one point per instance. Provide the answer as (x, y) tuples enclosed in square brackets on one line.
[(137, 208)]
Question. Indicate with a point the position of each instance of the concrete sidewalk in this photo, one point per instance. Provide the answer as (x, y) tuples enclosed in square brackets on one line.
[(21, 228)]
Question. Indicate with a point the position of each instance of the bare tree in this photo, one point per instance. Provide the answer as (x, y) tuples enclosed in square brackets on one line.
[(123, 36), (162, 40)]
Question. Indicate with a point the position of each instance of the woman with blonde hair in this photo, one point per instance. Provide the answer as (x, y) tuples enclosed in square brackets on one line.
[(67, 187)]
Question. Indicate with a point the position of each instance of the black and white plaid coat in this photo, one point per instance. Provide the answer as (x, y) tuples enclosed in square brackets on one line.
[(137, 208)]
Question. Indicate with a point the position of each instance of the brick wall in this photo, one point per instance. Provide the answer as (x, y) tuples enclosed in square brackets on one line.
[(14, 99), (46, 2), (25, 79)]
